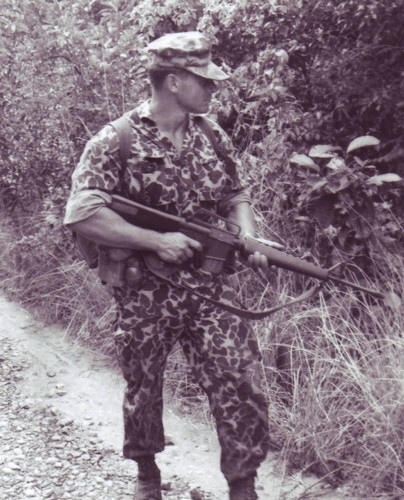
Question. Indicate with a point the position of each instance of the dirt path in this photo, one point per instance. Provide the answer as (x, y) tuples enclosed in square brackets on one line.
[(61, 428)]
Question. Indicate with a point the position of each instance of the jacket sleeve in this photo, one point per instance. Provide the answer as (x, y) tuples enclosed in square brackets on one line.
[(83, 204), (225, 205), (95, 177)]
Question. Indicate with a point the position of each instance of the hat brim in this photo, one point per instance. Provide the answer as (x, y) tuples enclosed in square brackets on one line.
[(210, 71)]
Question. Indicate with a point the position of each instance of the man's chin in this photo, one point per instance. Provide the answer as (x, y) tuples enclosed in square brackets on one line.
[(204, 109)]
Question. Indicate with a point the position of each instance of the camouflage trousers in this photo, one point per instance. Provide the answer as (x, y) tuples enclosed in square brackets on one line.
[(224, 358)]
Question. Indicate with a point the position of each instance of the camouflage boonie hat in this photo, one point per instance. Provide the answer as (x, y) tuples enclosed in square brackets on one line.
[(190, 50)]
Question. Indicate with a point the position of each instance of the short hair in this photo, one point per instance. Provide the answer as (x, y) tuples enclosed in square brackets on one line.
[(157, 76)]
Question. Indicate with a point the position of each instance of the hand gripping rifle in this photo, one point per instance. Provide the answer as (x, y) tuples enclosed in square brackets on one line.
[(218, 242)]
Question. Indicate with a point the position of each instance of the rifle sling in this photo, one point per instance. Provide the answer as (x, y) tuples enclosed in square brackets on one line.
[(238, 311)]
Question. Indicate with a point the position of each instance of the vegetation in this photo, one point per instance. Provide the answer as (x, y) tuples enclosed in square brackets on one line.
[(316, 109)]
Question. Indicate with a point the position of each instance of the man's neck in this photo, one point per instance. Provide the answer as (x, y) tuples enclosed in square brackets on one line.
[(170, 120)]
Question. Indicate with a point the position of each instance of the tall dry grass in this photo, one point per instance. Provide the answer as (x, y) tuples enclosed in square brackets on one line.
[(333, 364), (39, 270), (338, 399)]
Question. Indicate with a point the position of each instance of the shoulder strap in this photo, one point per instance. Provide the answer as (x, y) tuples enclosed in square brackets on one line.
[(208, 131), (124, 132)]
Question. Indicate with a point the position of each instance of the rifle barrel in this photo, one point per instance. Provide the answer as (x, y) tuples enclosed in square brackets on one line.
[(285, 261), (357, 287)]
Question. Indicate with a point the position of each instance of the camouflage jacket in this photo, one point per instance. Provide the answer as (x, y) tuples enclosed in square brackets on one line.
[(156, 174)]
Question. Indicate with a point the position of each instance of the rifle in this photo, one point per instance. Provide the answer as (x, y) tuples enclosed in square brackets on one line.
[(218, 242)]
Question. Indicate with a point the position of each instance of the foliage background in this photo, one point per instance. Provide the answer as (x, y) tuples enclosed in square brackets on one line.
[(309, 77)]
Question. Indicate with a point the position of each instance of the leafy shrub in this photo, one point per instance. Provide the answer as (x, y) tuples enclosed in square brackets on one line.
[(345, 207)]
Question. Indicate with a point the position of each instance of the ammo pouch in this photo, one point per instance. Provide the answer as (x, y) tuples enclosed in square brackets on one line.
[(115, 268)]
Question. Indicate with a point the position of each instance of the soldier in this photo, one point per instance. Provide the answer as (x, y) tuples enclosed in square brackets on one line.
[(172, 166)]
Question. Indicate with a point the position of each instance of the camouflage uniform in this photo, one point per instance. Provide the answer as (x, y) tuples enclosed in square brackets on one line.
[(220, 347)]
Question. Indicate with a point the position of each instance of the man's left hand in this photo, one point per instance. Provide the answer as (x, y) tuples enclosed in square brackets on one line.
[(258, 261)]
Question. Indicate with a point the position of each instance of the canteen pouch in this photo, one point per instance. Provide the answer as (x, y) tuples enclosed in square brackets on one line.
[(119, 273)]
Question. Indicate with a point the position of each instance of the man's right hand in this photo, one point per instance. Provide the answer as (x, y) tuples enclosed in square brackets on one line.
[(171, 247), (176, 248)]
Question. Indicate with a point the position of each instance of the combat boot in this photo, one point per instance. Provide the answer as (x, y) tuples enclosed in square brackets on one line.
[(243, 489), (148, 486)]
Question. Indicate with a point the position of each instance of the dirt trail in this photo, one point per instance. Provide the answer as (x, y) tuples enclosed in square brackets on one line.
[(63, 378)]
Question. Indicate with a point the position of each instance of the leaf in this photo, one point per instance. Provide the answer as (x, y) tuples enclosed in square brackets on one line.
[(393, 301), (324, 211), (304, 161), (263, 91), (378, 180), (336, 164), (323, 151), (361, 220), (359, 161), (319, 184), (363, 141), (343, 236), (339, 184)]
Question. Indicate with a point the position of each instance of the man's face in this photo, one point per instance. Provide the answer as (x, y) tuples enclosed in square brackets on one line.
[(195, 93)]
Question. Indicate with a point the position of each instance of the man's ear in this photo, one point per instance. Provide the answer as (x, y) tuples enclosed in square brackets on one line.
[(172, 82)]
